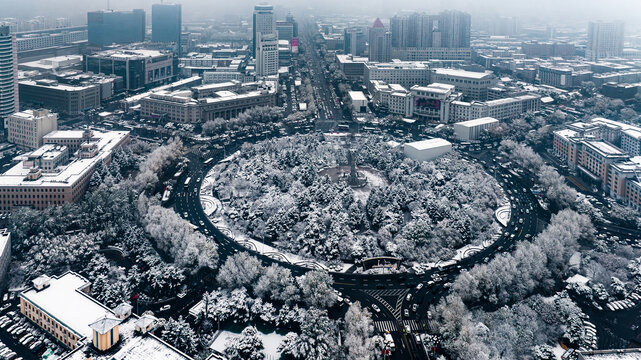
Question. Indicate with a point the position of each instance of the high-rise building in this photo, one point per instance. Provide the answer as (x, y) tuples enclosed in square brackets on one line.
[(290, 18), (106, 27), (166, 23), (455, 29), (605, 39), (267, 55), (285, 30), (263, 23), (380, 43), (354, 40), (8, 73), (449, 29)]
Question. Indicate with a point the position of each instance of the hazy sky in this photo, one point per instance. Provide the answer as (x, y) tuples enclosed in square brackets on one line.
[(557, 11)]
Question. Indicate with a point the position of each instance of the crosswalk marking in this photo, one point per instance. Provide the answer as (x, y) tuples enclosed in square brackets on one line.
[(386, 325)]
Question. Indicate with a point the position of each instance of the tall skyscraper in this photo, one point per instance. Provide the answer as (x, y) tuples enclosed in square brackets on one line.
[(166, 23), (267, 55), (106, 27), (285, 30), (455, 29), (263, 23), (8, 73), (604, 40), (380, 43)]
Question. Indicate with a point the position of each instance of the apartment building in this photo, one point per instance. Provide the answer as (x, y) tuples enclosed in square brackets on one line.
[(501, 109), (27, 128)]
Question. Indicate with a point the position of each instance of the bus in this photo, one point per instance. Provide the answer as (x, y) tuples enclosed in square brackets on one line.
[(187, 181), (209, 161), (165, 196)]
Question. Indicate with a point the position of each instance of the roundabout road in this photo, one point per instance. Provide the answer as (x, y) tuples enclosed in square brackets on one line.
[(387, 291)]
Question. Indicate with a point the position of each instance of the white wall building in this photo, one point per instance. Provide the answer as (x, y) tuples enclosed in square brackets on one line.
[(358, 99), (427, 150), (26, 128), (267, 55), (605, 39), (473, 85), (407, 74), (432, 102), (472, 129), (393, 98)]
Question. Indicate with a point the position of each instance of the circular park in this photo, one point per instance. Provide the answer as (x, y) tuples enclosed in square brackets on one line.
[(333, 200)]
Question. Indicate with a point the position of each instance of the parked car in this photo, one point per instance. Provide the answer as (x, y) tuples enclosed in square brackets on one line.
[(376, 308), (165, 308), (406, 313)]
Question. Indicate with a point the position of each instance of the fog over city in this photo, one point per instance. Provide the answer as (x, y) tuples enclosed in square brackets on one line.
[(557, 12), (320, 180)]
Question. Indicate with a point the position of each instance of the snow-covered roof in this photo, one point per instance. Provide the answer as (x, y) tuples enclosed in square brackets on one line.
[(104, 324), (615, 354), (577, 279), (428, 144), (476, 122), (64, 301)]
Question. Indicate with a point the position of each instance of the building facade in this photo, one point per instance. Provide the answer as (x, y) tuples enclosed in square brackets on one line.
[(63, 98), (106, 27), (166, 23), (267, 55), (473, 129), (432, 102), (139, 68), (263, 23), (407, 74), (8, 73), (605, 40), (380, 43), (27, 128)]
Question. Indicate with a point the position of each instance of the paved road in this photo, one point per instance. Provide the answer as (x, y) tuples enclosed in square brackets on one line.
[(387, 291)]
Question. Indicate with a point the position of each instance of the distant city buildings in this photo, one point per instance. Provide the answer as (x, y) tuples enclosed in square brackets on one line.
[(166, 24), (106, 27), (8, 73), (354, 39), (605, 40), (27, 128), (449, 29), (380, 43)]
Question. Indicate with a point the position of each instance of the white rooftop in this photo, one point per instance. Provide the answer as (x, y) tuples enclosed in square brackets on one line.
[(463, 73), (605, 148), (67, 174), (63, 301), (428, 144), (476, 122), (357, 96)]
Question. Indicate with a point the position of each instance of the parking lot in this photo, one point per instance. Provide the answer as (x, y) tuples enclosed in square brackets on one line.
[(21, 339)]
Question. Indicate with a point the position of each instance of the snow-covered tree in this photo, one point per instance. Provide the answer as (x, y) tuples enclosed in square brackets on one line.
[(316, 287), (277, 284), (179, 334), (317, 338), (247, 346), (359, 331), (239, 270)]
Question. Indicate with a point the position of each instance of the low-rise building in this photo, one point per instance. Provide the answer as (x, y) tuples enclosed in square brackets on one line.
[(432, 102), (359, 101), (209, 101), (352, 66), (48, 176), (472, 129), (139, 68), (61, 306), (406, 74), (427, 150), (474, 85), (501, 109), (392, 98), (63, 98), (27, 128)]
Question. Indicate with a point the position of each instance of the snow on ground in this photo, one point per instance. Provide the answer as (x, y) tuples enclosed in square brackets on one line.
[(270, 342), (213, 209)]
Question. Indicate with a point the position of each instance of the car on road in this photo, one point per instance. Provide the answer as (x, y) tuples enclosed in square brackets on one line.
[(165, 308), (185, 214), (415, 307), (417, 337), (406, 313), (202, 223), (419, 286), (376, 308), (408, 297), (348, 301)]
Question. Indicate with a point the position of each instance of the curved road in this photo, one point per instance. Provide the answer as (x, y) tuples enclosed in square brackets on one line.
[(387, 291)]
